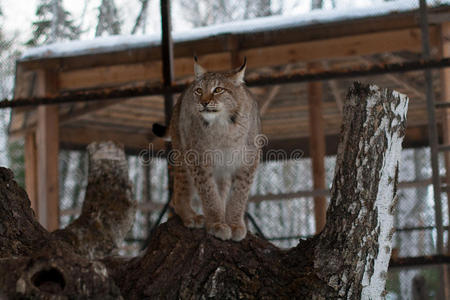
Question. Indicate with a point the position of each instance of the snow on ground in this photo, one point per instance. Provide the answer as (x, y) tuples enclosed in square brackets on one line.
[(118, 43)]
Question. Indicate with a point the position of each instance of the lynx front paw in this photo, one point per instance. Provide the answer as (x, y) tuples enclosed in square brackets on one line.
[(195, 222), (220, 230), (238, 232)]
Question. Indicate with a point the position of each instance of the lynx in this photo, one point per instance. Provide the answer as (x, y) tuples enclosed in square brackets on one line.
[(214, 129)]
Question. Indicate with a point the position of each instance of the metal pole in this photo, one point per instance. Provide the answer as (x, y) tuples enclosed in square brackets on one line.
[(432, 128), (432, 135), (267, 80), (168, 78), (167, 58)]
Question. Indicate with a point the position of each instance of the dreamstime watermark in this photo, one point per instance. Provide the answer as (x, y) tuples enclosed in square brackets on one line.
[(246, 155)]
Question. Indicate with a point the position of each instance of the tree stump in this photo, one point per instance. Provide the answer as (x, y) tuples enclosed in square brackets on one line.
[(348, 259)]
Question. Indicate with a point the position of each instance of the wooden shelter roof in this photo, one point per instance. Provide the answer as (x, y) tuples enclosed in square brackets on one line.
[(363, 41)]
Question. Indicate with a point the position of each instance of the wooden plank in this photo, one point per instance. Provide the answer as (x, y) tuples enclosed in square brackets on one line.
[(107, 76), (233, 48), (366, 44), (402, 84), (82, 136), (106, 121), (31, 170), (317, 148), (124, 115), (371, 43), (47, 144)]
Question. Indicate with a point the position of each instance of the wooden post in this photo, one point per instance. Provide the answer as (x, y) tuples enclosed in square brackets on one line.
[(47, 145), (31, 170), (30, 143), (233, 47), (317, 148), (445, 97)]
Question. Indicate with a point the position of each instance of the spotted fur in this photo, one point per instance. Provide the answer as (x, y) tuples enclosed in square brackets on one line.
[(213, 130)]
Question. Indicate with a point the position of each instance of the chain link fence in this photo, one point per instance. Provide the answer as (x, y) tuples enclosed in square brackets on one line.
[(283, 221)]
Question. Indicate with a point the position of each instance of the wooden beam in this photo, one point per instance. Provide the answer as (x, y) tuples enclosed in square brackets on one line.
[(25, 84), (350, 46), (107, 76), (233, 48), (47, 145), (335, 91), (31, 170), (337, 96), (396, 78), (365, 44), (273, 92), (80, 137), (85, 110), (317, 148)]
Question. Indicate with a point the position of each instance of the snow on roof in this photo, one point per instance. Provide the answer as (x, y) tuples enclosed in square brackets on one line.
[(124, 42)]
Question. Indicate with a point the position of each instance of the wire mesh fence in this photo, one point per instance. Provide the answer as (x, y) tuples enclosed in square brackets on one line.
[(414, 283), (282, 220)]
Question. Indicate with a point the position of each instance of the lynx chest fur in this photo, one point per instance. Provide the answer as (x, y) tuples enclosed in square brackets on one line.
[(214, 129)]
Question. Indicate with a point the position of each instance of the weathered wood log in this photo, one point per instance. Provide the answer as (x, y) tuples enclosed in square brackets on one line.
[(348, 259), (108, 208), (38, 264)]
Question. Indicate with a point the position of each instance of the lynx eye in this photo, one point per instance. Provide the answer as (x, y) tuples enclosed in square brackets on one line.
[(198, 91), (218, 90)]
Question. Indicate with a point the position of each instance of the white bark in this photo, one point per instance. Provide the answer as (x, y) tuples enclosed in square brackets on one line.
[(374, 284), (354, 249)]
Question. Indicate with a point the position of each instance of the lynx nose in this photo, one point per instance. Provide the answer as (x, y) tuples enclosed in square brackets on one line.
[(205, 104)]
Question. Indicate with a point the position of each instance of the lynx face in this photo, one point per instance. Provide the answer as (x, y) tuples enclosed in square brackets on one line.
[(217, 95), (213, 97)]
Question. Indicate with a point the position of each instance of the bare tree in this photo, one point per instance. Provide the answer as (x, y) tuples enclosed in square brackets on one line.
[(205, 12), (141, 19), (319, 4), (316, 4), (54, 24), (108, 19)]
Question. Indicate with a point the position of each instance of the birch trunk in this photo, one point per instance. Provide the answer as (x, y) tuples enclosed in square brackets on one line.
[(347, 260), (353, 251)]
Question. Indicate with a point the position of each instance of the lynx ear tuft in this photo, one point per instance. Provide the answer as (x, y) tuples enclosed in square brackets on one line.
[(239, 73), (198, 70)]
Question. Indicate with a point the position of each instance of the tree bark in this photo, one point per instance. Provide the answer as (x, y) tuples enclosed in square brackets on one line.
[(348, 259), (353, 251), (37, 264)]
